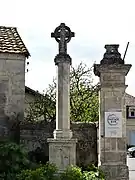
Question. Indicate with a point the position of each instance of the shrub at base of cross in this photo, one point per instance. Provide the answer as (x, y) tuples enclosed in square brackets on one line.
[(15, 165)]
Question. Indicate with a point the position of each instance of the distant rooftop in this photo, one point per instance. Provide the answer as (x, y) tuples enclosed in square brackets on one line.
[(32, 91), (11, 42)]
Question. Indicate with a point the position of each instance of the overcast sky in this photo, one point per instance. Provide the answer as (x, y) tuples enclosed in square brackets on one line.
[(95, 23)]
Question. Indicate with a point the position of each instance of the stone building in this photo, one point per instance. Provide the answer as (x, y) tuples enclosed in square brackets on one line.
[(13, 54), (130, 114), (30, 96)]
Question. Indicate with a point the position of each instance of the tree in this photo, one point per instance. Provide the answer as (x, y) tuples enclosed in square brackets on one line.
[(44, 105), (83, 98), (83, 94)]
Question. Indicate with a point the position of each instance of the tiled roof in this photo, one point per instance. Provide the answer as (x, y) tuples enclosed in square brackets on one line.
[(129, 99), (32, 91), (11, 42)]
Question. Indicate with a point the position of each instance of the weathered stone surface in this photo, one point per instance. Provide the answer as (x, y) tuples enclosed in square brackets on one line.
[(12, 93), (12, 78), (113, 144), (112, 56), (113, 157), (62, 152), (112, 103), (100, 69), (86, 149), (112, 151), (62, 35), (121, 144), (62, 149), (105, 144), (63, 92), (35, 135), (115, 172), (112, 77)]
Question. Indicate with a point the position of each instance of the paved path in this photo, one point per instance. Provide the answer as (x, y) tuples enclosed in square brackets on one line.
[(131, 165)]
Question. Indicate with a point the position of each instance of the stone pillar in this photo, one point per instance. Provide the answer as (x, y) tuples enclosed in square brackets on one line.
[(62, 148), (63, 98), (112, 116)]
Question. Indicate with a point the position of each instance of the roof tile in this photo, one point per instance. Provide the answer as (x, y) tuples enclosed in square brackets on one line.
[(11, 42)]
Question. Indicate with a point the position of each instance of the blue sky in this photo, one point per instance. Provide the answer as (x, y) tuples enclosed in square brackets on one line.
[(95, 23)]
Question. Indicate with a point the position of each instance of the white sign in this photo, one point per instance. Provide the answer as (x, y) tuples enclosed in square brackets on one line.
[(113, 124)]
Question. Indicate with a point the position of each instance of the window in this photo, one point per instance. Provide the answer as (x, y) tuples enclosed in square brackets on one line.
[(130, 112)]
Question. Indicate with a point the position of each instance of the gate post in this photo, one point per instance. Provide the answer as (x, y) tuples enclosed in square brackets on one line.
[(112, 116)]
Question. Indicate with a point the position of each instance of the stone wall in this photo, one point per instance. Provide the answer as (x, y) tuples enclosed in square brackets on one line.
[(35, 136), (12, 92)]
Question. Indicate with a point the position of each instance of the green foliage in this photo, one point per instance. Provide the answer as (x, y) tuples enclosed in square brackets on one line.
[(49, 172), (83, 98), (13, 158), (92, 176), (43, 107), (93, 173), (72, 173), (83, 95), (46, 172), (75, 173), (14, 165)]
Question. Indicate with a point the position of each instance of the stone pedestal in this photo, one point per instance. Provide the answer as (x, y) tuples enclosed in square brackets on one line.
[(62, 152), (62, 148), (112, 115)]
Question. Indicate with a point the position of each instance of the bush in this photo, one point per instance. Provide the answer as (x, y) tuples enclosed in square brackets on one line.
[(91, 175), (92, 172), (45, 172), (75, 173), (14, 165), (13, 158), (72, 173), (49, 172)]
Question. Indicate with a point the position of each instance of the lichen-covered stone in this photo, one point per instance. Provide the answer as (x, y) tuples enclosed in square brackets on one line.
[(112, 137), (35, 135), (115, 172)]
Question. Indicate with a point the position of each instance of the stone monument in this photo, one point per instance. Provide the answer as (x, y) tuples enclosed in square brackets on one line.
[(62, 148), (112, 116)]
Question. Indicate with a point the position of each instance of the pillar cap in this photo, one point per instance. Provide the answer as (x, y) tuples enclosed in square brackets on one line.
[(113, 68), (111, 61), (112, 56)]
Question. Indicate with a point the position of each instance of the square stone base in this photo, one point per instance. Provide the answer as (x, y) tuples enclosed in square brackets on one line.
[(62, 152), (59, 134), (115, 172)]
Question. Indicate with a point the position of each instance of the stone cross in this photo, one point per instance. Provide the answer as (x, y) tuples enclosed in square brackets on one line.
[(62, 148), (62, 35)]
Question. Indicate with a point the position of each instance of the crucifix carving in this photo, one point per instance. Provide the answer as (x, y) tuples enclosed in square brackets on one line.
[(62, 35)]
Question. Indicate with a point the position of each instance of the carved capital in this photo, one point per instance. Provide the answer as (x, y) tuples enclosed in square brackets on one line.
[(62, 58)]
